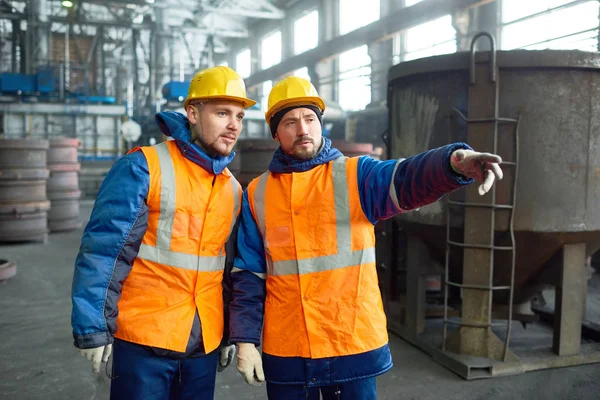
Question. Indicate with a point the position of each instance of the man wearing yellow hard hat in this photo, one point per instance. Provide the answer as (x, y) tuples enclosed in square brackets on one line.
[(148, 276), (305, 257)]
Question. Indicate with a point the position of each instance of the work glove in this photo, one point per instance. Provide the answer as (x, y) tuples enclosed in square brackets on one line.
[(250, 364), (483, 167), (226, 354), (97, 355)]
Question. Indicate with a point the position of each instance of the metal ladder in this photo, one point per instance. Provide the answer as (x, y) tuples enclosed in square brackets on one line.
[(491, 205)]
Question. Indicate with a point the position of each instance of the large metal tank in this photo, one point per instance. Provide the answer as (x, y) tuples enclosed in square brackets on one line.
[(63, 185), (23, 202), (554, 97)]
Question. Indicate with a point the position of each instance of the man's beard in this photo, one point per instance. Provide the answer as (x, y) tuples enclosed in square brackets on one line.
[(305, 154), (212, 149)]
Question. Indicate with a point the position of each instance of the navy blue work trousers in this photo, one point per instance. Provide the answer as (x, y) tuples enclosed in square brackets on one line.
[(138, 373), (363, 389)]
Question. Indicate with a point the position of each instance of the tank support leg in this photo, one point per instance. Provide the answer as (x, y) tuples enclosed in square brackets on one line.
[(571, 294)]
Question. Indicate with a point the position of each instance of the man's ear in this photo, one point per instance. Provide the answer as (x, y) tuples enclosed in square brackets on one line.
[(192, 114)]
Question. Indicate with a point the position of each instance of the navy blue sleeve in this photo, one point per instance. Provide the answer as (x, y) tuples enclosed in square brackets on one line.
[(230, 248), (390, 187), (248, 281), (109, 245)]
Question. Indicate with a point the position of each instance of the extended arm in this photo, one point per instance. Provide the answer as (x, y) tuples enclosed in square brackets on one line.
[(390, 187)]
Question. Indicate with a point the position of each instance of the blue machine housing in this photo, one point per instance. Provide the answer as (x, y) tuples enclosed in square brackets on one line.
[(175, 90), (17, 83), (43, 84)]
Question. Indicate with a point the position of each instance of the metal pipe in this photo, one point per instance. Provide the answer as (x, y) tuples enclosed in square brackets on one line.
[(103, 64), (136, 84), (67, 61), (16, 29), (40, 33)]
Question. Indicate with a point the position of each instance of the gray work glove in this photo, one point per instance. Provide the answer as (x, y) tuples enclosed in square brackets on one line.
[(226, 354)]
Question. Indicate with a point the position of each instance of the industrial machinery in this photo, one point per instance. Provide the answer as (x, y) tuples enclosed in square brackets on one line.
[(496, 253), (47, 84), (175, 91)]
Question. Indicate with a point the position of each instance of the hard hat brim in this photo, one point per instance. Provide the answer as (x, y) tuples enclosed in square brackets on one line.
[(246, 103), (296, 101)]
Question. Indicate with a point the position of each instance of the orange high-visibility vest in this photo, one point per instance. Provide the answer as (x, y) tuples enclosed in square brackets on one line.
[(179, 267), (323, 298)]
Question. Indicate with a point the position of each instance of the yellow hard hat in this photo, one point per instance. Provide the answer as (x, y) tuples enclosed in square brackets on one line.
[(218, 83), (292, 91)]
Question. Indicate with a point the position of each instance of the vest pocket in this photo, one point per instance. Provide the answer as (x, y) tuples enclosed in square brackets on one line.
[(135, 301), (279, 236)]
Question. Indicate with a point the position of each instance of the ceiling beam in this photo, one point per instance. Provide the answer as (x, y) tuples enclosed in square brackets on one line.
[(245, 13), (385, 27), (232, 33)]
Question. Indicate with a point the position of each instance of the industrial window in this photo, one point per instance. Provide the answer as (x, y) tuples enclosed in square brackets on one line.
[(355, 79), (302, 73), (430, 39), (224, 64), (243, 63), (266, 89), (270, 50), (357, 13), (306, 32), (550, 24)]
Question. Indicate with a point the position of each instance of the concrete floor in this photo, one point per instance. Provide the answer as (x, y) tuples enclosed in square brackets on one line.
[(38, 360)]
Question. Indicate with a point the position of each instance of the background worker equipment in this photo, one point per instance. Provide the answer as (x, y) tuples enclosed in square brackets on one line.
[(218, 83), (292, 91)]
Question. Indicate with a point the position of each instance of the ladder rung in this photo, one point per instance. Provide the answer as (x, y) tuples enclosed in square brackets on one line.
[(480, 246), (481, 205), (482, 120), (477, 287), (475, 324)]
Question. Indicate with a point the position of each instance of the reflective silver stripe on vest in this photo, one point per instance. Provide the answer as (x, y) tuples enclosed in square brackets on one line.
[(393, 193), (344, 257), (167, 197), (161, 253), (259, 204), (236, 204), (259, 211), (181, 260)]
